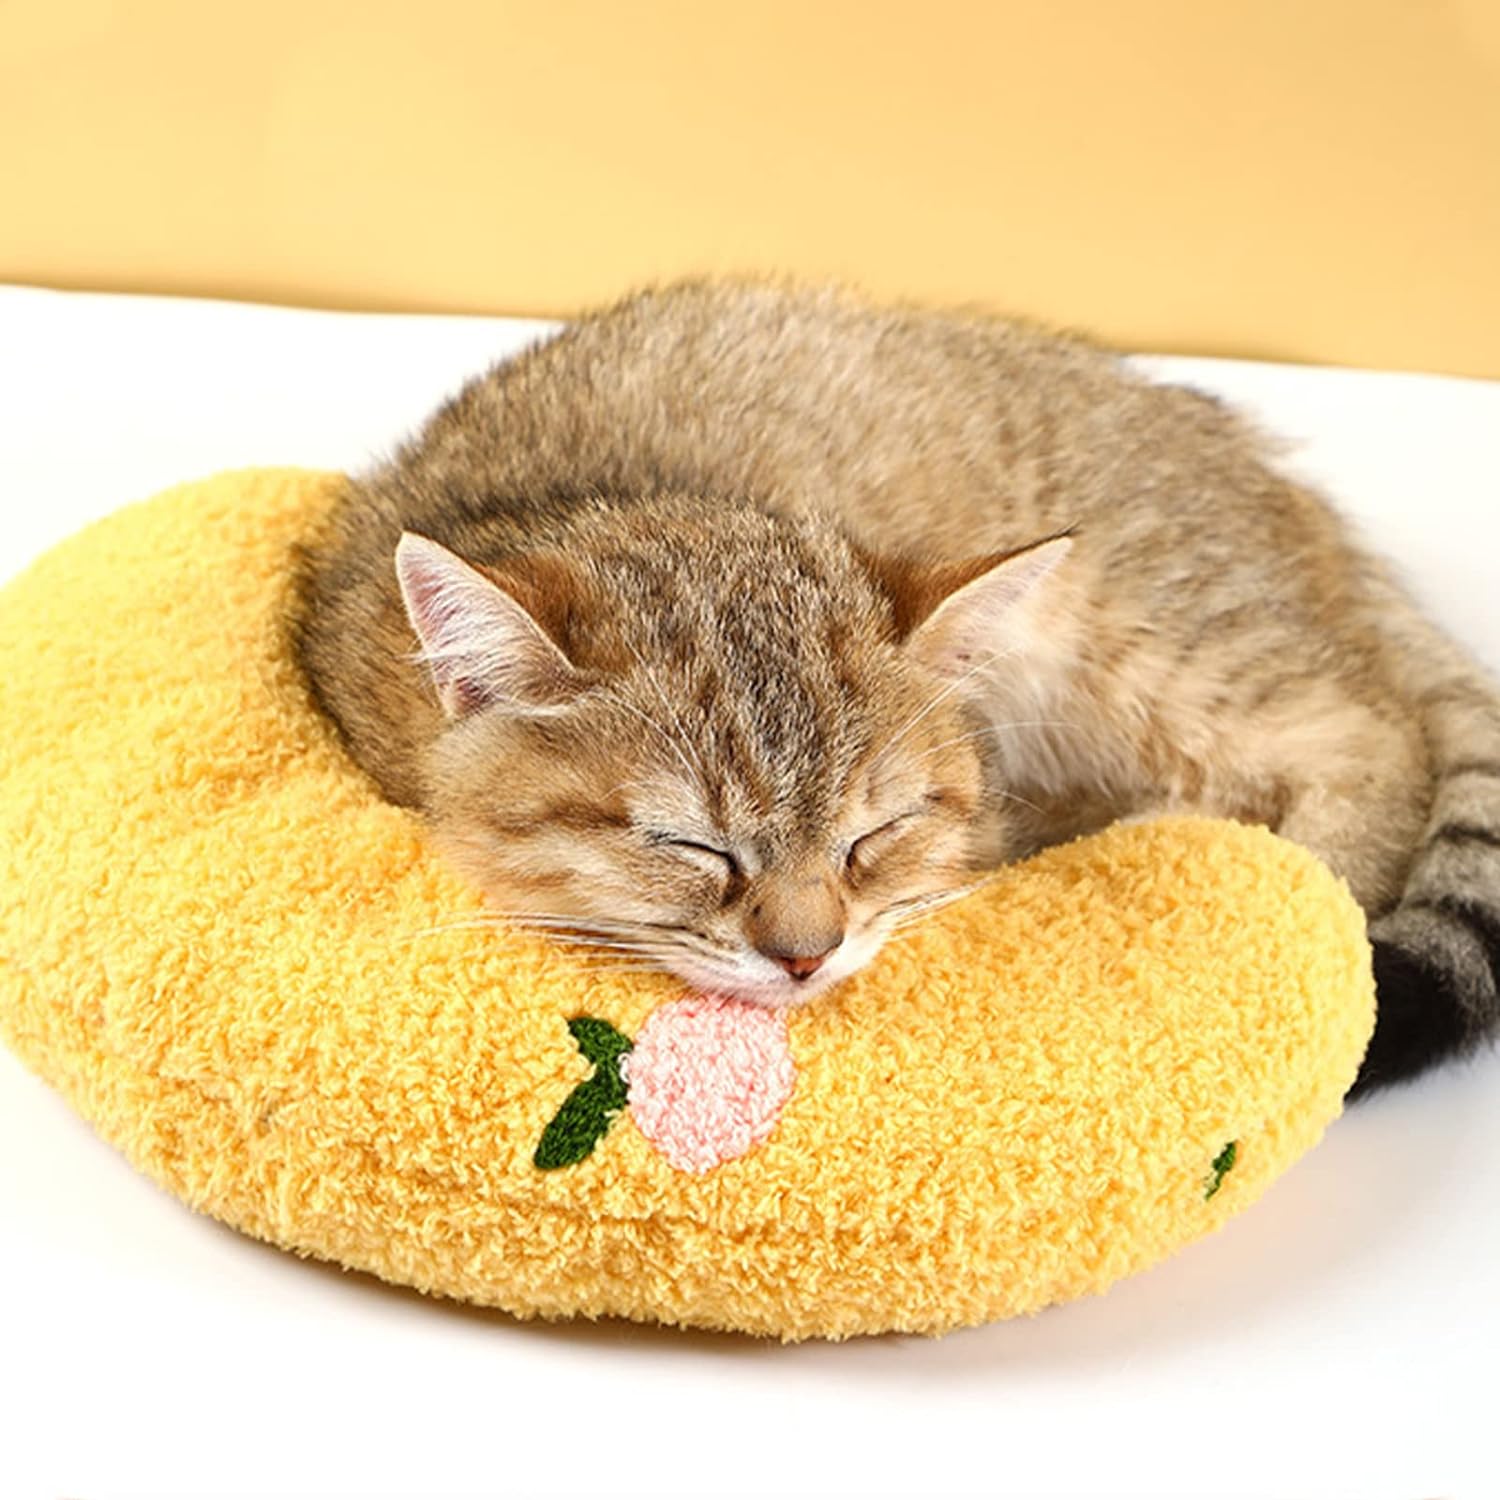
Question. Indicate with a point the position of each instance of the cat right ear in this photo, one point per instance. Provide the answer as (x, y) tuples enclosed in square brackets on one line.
[(481, 647), (954, 616)]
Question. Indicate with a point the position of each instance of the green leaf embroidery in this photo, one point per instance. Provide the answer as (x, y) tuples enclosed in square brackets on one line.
[(1221, 1165), (591, 1108)]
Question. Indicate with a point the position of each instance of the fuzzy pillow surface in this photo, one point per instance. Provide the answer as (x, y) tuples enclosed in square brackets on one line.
[(258, 981)]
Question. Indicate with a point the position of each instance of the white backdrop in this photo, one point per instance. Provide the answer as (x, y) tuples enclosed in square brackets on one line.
[(1339, 1339)]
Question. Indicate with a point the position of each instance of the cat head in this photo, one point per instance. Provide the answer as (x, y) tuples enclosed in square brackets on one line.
[(740, 750)]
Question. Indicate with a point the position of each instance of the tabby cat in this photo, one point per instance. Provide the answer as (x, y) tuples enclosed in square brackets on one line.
[(742, 623)]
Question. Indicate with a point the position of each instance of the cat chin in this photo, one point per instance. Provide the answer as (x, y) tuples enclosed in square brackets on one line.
[(769, 994), (774, 997)]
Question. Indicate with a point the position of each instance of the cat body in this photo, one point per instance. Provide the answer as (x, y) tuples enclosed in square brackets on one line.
[(757, 619)]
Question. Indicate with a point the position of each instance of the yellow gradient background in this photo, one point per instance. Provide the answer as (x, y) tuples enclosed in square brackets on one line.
[(1301, 179)]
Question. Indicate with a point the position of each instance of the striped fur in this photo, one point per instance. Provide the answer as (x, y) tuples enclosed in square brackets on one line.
[(1437, 954), (771, 703)]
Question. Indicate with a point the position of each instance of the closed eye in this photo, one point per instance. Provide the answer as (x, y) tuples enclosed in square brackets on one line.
[(869, 846), (719, 861)]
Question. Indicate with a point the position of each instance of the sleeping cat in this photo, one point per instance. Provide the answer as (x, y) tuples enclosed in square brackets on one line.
[(741, 624)]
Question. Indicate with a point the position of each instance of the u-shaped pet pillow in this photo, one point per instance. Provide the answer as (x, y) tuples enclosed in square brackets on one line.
[(255, 978)]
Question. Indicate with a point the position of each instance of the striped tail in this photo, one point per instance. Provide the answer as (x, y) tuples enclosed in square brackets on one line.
[(1437, 954)]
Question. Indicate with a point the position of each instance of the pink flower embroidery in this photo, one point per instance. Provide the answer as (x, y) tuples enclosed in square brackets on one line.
[(707, 1079)]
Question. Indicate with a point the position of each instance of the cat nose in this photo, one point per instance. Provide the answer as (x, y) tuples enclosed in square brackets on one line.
[(801, 965)]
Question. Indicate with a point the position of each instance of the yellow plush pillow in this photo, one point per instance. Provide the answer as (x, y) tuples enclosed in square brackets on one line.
[(256, 979)]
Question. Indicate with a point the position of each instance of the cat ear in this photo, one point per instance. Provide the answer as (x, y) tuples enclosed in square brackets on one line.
[(952, 616), (481, 646)]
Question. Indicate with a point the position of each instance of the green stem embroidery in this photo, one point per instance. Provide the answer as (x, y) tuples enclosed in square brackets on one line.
[(1221, 1165), (591, 1108)]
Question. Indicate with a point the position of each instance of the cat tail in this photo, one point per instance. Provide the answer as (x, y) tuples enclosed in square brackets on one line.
[(1437, 953)]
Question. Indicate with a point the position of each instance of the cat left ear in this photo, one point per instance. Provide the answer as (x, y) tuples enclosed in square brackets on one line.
[(480, 645), (952, 616)]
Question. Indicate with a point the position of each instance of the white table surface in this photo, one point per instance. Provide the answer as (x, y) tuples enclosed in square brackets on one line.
[(1341, 1338)]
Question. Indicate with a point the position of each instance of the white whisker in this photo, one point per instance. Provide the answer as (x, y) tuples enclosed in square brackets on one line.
[(989, 659), (975, 734), (906, 913), (568, 920), (1016, 797), (603, 968), (694, 773), (667, 704)]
